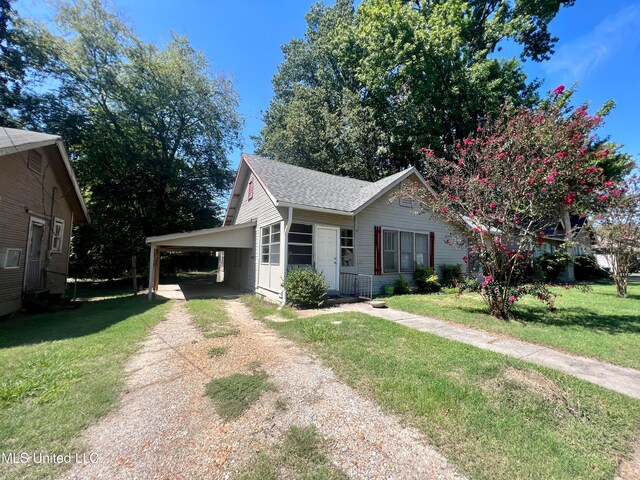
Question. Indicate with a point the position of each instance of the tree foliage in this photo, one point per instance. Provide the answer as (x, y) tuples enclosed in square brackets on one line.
[(366, 88), (148, 128), (619, 231), (25, 54), (510, 182)]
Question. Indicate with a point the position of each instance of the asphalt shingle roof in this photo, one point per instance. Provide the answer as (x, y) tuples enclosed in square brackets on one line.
[(291, 184)]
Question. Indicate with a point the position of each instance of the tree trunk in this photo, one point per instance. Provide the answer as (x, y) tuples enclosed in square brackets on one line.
[(621, 285)]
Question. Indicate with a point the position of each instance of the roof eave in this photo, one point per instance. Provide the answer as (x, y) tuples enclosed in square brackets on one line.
[(195, 233), (299, 206)]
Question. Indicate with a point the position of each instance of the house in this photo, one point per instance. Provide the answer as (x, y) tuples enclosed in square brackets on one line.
[(282, 216), (40, 201), (580, 235)]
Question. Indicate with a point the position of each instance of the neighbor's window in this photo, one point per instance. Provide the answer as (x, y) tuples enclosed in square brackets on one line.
[(390, 251), (407, 263), (57, 235), (346, 247), (11, 257), (250, 190), (300, 245), (270, 252)]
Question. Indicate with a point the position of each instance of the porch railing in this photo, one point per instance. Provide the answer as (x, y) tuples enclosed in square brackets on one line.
[(357, 285)]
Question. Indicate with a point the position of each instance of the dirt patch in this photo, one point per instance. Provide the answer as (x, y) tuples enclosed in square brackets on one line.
[(535, 381), (166, 427), (629, 468)]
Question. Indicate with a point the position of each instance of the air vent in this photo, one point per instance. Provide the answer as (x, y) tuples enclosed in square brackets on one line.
[(35, 161)]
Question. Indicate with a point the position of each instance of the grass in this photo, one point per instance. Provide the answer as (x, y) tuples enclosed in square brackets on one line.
[(218, 351), (595, 323), (263, 309), (211, 318), (63, 371), (234, 394), (493, 416), (302, 454)]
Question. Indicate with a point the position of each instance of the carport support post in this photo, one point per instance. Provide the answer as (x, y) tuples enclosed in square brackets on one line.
[(152, 271)]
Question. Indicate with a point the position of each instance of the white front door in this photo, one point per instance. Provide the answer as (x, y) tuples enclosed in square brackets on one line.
[(327, 254)]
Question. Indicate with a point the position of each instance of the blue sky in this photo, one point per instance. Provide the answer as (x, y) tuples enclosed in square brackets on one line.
[(599, 47)]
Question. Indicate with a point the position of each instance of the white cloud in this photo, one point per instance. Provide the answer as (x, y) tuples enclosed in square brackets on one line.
[(616, 33)]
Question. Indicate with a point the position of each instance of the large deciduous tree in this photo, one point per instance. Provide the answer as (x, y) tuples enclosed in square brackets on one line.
[(149, 128), (515, 177), (366, 88), (619, 232)]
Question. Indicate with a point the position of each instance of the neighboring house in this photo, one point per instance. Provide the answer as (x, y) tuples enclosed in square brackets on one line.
[(580, 236), (282, 216), (39, 203)]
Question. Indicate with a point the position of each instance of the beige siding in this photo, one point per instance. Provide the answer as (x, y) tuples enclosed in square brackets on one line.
[(394, 216), (24, 194), (266, 279)]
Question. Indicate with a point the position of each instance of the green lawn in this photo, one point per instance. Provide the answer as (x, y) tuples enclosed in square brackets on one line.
[(492, 416), (63, 371), (595, 323)]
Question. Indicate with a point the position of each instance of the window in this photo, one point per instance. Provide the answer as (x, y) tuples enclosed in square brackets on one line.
[(390, 251), (300, 245), (250, 190), (35, 161), (404, 250), (346, 247), (57, 235), (407, 263), (10, 257), (270, 250), (422, 249)]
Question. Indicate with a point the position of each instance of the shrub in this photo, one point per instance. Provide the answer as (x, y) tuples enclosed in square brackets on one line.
[(551, 265), (426, 279), (401, 286), (305, 287), (587, 268), (450, 275)]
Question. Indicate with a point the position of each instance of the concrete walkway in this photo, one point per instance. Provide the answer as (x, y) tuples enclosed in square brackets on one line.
[(619, 379)]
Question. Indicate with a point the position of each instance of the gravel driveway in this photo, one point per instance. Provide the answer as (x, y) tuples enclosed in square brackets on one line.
[(165, 427)]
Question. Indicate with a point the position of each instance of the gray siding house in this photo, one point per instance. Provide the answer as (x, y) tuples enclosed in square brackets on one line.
[(39, 203), (282, 216)]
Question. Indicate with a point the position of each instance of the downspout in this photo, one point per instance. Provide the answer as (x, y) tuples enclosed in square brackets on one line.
[(285, 261), (355, 242)]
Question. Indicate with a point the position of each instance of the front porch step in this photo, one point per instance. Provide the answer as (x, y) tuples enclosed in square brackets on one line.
[(340, 299)]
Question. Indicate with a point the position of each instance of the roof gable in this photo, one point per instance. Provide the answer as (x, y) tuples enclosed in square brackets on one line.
[(293, 186)]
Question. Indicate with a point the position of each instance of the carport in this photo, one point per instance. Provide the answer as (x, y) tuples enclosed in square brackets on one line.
[(222, 239)]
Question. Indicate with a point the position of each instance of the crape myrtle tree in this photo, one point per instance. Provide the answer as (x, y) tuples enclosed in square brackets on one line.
[(516, 175), (618, 231)]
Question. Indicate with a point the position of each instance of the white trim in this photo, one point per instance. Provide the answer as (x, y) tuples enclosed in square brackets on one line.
[(5, 252), (337, 240), (32, 220), (195, 233), (57, 220)]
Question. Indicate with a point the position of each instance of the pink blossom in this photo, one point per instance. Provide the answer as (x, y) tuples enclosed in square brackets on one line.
[(550, 179), (602, 154), (492, 205), (558, 90), (568, 200), (609, 184), (483, 181), (464, 259), (479, 129), (530, 181), (512, 299), (604, 197)]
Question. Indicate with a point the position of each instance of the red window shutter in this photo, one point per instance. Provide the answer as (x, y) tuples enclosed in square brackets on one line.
[(432, 246), (377, 251)]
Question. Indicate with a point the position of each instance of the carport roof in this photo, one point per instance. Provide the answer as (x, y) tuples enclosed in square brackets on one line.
[(232, 236)]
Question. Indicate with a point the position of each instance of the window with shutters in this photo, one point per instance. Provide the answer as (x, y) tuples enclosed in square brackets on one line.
[(402, 251)]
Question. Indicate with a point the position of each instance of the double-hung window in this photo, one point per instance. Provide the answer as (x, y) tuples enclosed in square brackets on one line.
[(58, 235), (270, 252), (402, 251)]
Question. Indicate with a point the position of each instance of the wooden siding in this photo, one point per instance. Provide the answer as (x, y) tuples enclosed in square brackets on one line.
[(394, 216), (265, 279), (25, 194)]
